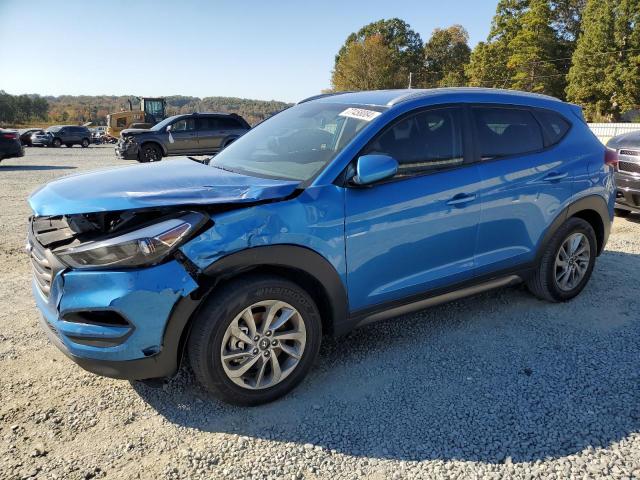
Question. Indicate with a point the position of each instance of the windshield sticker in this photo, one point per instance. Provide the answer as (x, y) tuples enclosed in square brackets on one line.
[(360, 114)]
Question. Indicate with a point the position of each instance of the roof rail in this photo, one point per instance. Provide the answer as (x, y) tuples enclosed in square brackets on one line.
[(322, 95)]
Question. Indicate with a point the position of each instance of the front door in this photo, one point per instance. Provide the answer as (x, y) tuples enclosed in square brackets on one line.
[(183, 136), (417, 231)]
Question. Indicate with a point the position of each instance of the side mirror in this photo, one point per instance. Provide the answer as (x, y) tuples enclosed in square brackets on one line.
[(373, 168), (168, 128)]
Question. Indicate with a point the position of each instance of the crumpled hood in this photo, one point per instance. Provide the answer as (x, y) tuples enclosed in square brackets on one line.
[(161, 184), (133, 131)]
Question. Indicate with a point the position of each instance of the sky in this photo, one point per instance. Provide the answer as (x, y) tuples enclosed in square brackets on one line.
[(267, 50)]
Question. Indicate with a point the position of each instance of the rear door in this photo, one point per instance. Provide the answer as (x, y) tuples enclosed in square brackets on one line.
[(526, 181), (183, 137), (208, 134)]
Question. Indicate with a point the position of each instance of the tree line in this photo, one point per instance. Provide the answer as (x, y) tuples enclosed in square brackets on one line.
[(583, 51), (20, 110)]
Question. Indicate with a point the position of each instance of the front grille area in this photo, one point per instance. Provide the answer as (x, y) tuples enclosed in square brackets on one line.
[(629, 167), (42, 271), (630, 153), (44, 233)]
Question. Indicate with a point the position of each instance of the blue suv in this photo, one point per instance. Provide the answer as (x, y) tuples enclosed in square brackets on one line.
[(342, 210)]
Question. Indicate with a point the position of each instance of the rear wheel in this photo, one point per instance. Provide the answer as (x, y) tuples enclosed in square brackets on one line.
[(255, 340), (567, 262), (149, 153)]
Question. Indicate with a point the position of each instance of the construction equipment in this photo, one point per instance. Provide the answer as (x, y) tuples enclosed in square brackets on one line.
[(152, 110)]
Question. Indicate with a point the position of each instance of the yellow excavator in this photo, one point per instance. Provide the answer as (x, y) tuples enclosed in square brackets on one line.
[(152, 110)]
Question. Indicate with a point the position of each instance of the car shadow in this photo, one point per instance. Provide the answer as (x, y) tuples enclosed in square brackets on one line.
[(15, 168), (497, 377)]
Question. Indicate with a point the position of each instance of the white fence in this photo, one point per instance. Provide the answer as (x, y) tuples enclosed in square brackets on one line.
[(604, 131)]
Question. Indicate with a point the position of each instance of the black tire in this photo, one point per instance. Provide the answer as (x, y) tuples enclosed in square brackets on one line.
[(543, 283), (149, 153), (56, 143), (620, 212), (211, 322), (85, 143)]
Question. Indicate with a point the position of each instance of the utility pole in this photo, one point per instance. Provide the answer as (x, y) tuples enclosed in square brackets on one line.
[(410, 78)]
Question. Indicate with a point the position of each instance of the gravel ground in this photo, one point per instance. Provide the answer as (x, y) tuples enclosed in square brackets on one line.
[(496, 386)]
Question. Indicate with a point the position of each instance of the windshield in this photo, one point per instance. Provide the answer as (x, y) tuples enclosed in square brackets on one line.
[(54, 128), (296, 143), (163, 124)]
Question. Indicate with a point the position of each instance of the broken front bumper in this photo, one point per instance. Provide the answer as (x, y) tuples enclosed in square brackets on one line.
[(114, 323), (127, 150)]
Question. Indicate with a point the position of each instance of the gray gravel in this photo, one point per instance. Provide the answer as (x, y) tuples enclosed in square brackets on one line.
[(496, 386)]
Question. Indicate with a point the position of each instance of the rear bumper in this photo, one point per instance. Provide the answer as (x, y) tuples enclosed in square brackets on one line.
[(628, 192)]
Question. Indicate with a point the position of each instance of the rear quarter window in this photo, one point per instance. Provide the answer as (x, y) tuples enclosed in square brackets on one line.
[(554, 126)]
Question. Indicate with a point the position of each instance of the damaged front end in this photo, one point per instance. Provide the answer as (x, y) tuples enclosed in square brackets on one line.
[(107, 283)]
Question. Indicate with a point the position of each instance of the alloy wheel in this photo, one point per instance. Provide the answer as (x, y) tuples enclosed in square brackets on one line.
[(263, 344), (572, 261)]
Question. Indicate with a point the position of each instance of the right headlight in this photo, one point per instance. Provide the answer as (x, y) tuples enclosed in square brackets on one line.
[(146, 246)]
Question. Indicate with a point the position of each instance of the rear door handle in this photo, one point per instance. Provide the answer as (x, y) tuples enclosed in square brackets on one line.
[(461, 199), (555, 176)]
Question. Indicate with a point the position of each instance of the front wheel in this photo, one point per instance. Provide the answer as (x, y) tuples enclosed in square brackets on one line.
[(255, 340), (56, 142), (567, 262), (149, 153), (85, 143)]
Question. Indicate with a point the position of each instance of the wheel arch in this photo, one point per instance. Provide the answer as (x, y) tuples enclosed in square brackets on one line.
[(300, 265), (593, 209)]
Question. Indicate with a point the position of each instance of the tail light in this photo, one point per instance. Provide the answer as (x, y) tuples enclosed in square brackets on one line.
[(610, 157), (10, 136)]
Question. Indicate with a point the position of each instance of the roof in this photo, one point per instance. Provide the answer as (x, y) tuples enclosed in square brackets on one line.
[(393, 97)]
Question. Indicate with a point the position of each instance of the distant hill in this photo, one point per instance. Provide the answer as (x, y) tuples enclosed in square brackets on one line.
[(83, 108)]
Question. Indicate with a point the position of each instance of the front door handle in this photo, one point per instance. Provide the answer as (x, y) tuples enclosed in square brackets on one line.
[(461, 199), (555, 176)]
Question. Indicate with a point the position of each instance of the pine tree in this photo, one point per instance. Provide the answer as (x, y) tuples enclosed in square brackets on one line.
[(624, 81), (488, 64), (532, 49), (589, 83)]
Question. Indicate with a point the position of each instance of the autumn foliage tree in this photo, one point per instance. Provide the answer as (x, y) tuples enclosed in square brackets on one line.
[(392, 45), (366, 64), (446, 55)]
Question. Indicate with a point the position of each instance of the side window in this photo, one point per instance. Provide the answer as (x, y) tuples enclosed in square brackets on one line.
[(423, 142), (184, 125), (506, 131), (228, 123), (554, 126), (207, 123), (121, 122)]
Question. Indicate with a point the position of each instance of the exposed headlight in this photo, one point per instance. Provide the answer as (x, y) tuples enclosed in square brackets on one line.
[(146, 246)]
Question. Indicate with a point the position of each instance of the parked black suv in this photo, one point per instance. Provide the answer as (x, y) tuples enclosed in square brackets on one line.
[(69, 135), (627, 173), (10, 145), (191, 134)]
